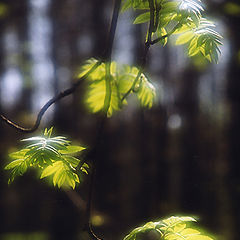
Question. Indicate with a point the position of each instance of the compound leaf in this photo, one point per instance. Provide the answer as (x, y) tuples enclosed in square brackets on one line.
[(173, 228), (51, 156)]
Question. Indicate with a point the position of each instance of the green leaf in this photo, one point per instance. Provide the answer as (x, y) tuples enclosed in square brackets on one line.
[(50, 155), (62, 175), (202, 39), (72, 149), (184, 28), (14, 164), (142, 18), (184, 38), (126, 5), (95, 97), (19, 154), (146, 93), (47, 132), (123, 81), (143, 229), (169, 7), (85, 68), (51, 169), (72, 160), (173, 228), (126, 77)]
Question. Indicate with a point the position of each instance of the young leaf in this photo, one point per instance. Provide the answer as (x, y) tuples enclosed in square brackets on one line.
[(51, 169), (62, 174), (89, 64), (72, 161), (173, 228), (202, 39), (146, 93), (95, 97), (14, 164), (72, 149), (142, 18), (184, 38), (50, 155)]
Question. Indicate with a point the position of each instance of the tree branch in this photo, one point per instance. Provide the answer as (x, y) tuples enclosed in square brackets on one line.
[(49, 103), (148, 43), (107, 59)]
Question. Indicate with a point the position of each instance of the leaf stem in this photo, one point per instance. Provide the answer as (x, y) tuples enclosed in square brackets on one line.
[(166, 35), (148, 43), (108, 79)]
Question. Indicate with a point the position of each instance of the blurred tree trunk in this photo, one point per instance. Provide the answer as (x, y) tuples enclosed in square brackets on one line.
[(189, 111), (234, 128)]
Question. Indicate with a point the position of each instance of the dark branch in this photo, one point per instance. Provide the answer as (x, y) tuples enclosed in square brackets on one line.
[(148, 43), (112, 31), (158, 39), (49, 103), (107, 58)]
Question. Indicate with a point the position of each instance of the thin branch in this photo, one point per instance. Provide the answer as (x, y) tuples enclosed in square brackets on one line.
[(157, 10), (166, 35), (158, 39), (133, 85), (49, 103), (152, 21), (148, 43), (107, 59), (113, 27)]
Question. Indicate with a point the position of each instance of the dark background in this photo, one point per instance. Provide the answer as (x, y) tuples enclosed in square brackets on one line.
[(180, 157)]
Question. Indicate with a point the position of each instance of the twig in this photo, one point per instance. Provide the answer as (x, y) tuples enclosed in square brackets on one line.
[(148, 43), (49, 103), (107, 59), (158, 39)]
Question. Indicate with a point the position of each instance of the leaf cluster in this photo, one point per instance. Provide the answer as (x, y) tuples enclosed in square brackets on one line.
[(172, 228), (182, 17), (124, 80), (53, 156)]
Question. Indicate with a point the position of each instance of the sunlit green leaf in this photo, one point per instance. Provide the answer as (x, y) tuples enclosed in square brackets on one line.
[(72, 160), (184, 38), (50, 156), (146, 93), (173, 228), (202, 39), (142, 18), (19, 154), (95, 97), (51, 169), (126, 5), (98, 73), (14, 164), (72, 149)]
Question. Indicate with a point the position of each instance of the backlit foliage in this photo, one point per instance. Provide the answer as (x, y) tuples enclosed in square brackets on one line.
[(182, 17), (53, 156), (108, 84), (173, 228), (124, 80)]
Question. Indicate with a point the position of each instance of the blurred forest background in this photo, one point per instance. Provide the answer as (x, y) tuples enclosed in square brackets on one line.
[(180, 157)]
